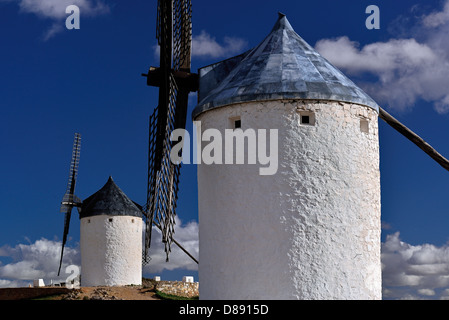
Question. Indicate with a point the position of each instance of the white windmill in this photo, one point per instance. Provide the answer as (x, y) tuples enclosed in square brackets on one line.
[(312, 230), (110, 232)]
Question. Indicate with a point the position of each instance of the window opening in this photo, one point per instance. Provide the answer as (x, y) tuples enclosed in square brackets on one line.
[(364, 125)]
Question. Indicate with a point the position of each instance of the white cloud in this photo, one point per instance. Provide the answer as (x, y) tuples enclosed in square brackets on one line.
[(437, 18), (380, 57), (35, 260), (426, 292), (52, 31), (206, 46), (414, 272), (406, 69), (55, 10), (13, 283)]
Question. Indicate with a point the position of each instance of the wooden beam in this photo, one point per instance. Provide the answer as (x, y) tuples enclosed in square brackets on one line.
[(184, 79), (442, 161)]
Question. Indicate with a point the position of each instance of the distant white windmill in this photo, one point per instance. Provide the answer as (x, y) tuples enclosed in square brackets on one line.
[(110, 232)]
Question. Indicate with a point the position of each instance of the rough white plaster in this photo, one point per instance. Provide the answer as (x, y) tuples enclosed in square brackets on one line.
[(312, 231), (111, 251)]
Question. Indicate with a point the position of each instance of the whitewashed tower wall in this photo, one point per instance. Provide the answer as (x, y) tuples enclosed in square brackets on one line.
[(312, 231), (111, 250)]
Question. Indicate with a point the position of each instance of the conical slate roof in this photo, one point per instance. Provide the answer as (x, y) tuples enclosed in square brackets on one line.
[(109, 200), (283, 66)]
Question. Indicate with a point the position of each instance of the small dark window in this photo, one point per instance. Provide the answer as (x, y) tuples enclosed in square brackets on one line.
[(234, 122), (237, 124), (110, 220), (88, 220), (305, 119), (364, 125)]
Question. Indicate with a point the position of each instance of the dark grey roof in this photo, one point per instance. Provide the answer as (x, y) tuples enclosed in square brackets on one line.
[(283, 66), (109, 200)]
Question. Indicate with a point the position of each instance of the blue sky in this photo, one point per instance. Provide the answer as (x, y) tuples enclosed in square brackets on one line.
[(55, 82)]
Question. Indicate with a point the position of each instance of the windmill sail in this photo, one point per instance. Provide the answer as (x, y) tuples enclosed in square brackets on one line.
[(175, 82), (70, 200), (163, 179)]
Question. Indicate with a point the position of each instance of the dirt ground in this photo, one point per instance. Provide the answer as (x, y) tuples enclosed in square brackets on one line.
[(109, 293), (146, 291)]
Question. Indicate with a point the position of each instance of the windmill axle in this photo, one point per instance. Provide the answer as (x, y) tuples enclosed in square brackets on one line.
[(186, 80)]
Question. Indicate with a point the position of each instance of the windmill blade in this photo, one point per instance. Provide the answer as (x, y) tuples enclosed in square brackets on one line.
[(174, 31), (144, 210), (182, 34), (182, 43), (175, 82), (150, 205), (74, 164), (163, 176), (64, 237), (413, 137), (164, 36), (70, 200)]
